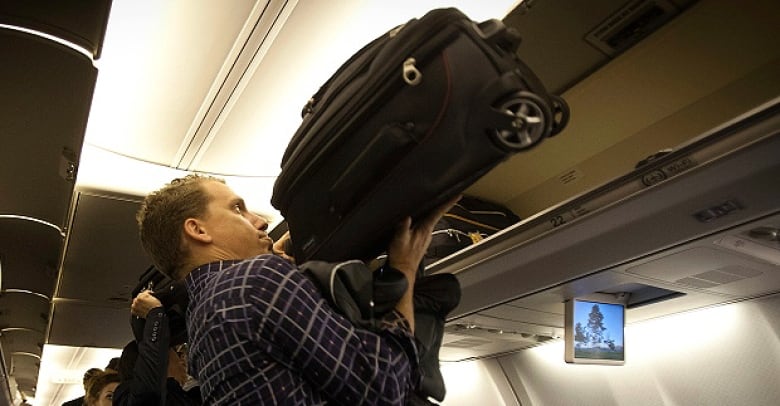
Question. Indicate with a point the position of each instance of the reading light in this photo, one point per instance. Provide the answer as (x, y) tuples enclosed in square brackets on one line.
[(765, 233), (538, 337), (750, 248)]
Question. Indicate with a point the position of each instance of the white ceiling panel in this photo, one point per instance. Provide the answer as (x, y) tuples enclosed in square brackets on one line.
[(160, 61)]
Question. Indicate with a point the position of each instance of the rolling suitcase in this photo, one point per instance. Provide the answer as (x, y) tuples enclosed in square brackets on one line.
[(410, 120)]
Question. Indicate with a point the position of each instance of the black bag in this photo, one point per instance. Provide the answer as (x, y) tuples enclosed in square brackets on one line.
[(467, 223), (173, 296), (364, 296), (409, 121)]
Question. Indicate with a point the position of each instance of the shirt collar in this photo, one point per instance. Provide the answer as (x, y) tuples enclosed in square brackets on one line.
[(200, 273)]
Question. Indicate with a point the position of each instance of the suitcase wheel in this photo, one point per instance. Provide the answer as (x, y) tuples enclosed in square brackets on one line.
[(560, 115), (531, 118)]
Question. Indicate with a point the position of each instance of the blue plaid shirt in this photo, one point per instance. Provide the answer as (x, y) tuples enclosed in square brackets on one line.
[(260, 332)]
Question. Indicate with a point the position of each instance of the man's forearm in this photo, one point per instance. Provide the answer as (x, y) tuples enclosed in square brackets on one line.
[(405, 305)]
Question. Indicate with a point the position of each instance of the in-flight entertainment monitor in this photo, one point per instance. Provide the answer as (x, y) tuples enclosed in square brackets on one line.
[(593, 332)]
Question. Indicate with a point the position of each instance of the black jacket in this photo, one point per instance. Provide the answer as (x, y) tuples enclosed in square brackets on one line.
[(75, 402), (149, 383), (363, 296)]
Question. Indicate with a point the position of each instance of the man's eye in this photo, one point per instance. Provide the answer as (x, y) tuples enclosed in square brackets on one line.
[(238, 208)]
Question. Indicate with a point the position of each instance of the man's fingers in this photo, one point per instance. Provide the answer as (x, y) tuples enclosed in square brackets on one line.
[(446, 206), (430, 221), (404, 225)]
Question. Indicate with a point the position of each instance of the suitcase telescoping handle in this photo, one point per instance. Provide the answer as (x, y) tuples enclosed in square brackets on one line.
[(535, 101), (505, 39)]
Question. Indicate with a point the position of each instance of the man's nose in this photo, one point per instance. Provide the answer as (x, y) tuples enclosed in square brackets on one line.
[(260, 222)]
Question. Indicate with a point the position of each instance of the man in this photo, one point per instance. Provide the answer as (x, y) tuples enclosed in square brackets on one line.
[(260, 332)]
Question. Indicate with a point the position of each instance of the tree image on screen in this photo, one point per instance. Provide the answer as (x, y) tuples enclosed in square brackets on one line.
[(599, 336)]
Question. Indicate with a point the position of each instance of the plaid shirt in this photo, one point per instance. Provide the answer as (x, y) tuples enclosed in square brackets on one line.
[(260, 332)]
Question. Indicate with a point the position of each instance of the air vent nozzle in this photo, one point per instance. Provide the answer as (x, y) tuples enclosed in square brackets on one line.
[(630, 24)]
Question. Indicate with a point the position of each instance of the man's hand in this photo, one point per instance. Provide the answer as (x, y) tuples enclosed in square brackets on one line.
[(279, 247), (410, 242), (143, 303), (407, 249)]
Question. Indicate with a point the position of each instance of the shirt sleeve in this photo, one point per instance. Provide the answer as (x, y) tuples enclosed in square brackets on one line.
[(347, 364), (147, 385)]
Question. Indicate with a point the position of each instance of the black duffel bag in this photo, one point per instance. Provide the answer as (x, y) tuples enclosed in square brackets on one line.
[(470, 221)]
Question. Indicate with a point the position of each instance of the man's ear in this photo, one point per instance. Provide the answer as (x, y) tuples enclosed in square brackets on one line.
[(195, 229)]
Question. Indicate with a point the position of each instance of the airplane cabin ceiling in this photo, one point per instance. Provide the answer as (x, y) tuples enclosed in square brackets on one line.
[(218, 87)]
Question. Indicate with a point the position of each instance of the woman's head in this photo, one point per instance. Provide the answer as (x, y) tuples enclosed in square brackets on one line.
[(100, 388)]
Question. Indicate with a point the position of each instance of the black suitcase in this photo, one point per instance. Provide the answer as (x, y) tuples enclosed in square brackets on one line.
[(409, 121), (467, 223)]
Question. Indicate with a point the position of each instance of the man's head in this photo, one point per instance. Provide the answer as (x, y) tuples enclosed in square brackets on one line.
[(198, 219)]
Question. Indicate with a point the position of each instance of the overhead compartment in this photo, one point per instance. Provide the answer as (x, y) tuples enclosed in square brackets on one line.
[(46, 88), (662, 187), (95, 285), (46, 91), (715, 60), (696, 227), (82, 22)]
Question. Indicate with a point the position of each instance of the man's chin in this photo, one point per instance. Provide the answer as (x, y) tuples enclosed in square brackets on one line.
[(266, 246)]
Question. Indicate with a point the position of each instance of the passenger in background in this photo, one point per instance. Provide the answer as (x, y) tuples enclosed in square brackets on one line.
[(87, 375), (113, 365), (260, 332), (151, 370), (100, 388)]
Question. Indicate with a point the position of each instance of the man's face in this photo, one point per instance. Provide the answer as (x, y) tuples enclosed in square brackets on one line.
[(236, 233)]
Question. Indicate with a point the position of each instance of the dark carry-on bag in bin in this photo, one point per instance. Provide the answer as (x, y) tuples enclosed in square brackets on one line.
[(465, 224), (409, 121)]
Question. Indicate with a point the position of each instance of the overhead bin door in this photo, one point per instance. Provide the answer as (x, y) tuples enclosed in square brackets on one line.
[(82, 22), (46, 87)]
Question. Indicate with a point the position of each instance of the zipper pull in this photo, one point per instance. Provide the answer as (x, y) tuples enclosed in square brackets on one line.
[(308, 108), (411, 75), (395, 30)]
